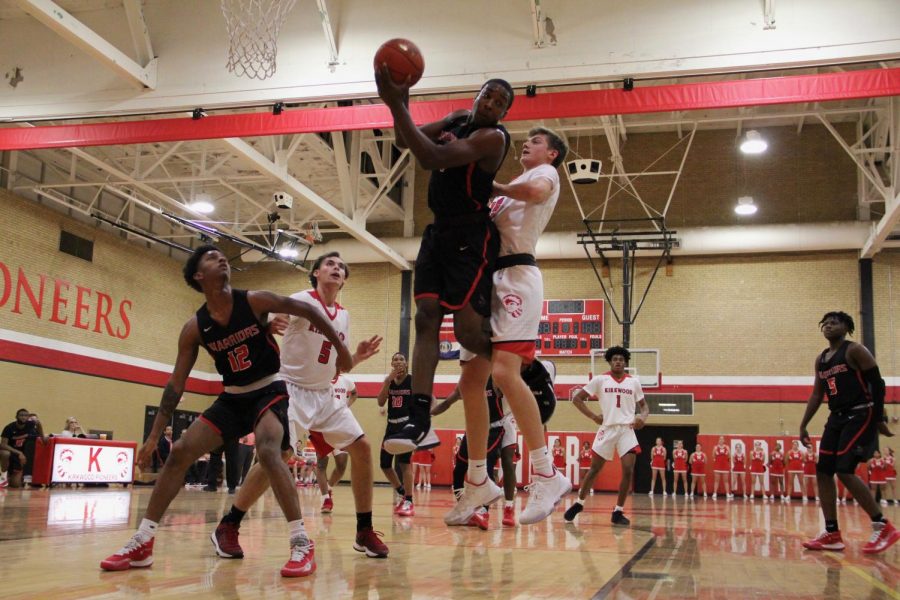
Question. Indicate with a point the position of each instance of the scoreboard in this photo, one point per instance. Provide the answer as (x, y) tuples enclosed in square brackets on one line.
[(570, 327)]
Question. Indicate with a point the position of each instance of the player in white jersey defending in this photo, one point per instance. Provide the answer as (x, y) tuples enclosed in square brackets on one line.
[(619, 394), (521, 211), (307, 368), (344, 390)]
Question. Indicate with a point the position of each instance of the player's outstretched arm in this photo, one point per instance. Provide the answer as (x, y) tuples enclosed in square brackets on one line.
[(535, 190), (441, 407), (366, 349), (264, 302), (484, 143), (580, 402), (812, 405), (188, 347)]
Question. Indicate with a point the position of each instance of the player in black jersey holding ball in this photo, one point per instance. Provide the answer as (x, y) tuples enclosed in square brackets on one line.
[(847, 374), (231, 326), (454, 266)]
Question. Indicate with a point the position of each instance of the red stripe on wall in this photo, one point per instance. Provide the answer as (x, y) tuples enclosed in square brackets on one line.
[(642, 99), (702, 393), (61, 360), (86, 365)]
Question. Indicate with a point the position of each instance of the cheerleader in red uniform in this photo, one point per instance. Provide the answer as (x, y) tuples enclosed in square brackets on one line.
[(877, 476), (809, 475), (584, 461), (559, 456), (890, 474), (658, 466), (794, 469), (698, 470), (722, 468), (739, 469), (421, 462), (680, 458), (776, 472), (757, 470)]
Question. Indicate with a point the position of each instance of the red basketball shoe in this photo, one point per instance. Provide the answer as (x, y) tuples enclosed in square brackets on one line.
[(225, 540), (369, 541), (480, 519), (135, 553), (825, 541), (509, 516), (327, 504), (884, 535), (302, 561)]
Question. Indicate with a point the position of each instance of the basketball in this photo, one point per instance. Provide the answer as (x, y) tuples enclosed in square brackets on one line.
[(402, 58)]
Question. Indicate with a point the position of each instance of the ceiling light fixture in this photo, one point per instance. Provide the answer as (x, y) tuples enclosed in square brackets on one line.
[(753, 143), (745, 206), (202, 206)]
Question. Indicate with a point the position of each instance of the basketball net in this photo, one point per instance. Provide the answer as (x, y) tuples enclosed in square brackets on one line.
[(253, 27)]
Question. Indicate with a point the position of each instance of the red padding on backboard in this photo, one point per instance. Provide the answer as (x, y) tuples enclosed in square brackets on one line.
[(663, 98)]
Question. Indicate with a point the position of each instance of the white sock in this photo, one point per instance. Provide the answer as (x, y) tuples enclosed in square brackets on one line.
[(618, 509), (297, 529), (147, 529), (580, 501), (477, 471), (508, 503), (540, 461)]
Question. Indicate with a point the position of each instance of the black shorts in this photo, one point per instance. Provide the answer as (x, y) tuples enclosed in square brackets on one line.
[(850, 437), (456, 263), (235, 415), (495, 437), (15, 465)]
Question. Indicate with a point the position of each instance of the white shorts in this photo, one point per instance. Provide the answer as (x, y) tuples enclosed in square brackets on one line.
[(516, 304), (510, 432), (611, 439), (316, 414)]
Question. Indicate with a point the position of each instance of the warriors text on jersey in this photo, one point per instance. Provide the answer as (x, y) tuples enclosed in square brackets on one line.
[(618, 397), (308, 359), (243, 349)]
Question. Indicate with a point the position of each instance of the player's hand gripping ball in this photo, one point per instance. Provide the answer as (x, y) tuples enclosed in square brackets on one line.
[(403, 60)]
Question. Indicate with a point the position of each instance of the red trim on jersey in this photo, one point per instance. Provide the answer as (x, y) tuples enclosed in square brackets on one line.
[(624, 377), (275, 400), (858, 433), (524, 349), (469, 173), (211, 424), (478, 276), (270, 339), (337, 307), (426, 295)]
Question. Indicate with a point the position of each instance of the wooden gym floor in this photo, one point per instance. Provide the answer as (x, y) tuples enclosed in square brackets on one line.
[(51, 542)]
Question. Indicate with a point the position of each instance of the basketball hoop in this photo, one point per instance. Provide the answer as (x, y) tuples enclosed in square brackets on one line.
[(312, 233), (253, 27)]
